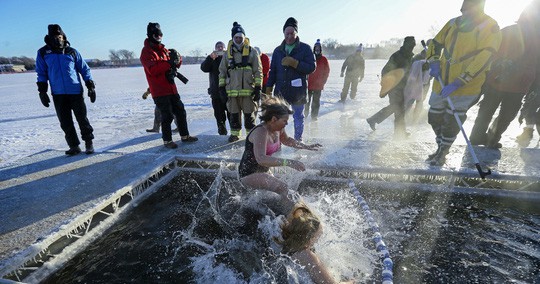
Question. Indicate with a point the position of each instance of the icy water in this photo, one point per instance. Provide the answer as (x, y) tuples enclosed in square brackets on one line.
[(193, 231)]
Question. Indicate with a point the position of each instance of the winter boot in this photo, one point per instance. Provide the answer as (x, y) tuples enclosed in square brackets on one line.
[(221, 128), (73, 151), (189, 139), (89, 147), (170, 144), (525, 138), (233, 138), (440, 158), (431, 156)]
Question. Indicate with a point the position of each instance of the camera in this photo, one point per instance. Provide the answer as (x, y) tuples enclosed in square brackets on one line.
[(181, 77), (219, 52)]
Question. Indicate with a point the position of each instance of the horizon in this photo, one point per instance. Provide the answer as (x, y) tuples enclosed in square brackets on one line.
[(94, 28)]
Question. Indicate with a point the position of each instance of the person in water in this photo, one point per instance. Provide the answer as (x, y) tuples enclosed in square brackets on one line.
[(264, 140), (299, 233)]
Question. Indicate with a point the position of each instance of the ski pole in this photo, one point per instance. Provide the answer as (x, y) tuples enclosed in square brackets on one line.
[(482, 173)]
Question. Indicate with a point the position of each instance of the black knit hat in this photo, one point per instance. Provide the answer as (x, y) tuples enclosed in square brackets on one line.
[(291, 22), (55, 30), (237, 28), (153, 29)]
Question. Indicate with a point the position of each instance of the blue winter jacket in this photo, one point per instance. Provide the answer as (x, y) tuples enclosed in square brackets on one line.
[(282, 77), (61, 67)]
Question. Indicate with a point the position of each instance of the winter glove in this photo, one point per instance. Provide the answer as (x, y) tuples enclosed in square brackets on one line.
[(256, 94), (91, 90), (223, 95), (146, 94), (170, 75), (43, 87), (450, 88), (174, 58), (269, 91), (289, 61), (44, 99), (435, 69)]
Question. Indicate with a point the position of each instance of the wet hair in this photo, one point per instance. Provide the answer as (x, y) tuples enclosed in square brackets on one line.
[(298, 232), (274, 106)]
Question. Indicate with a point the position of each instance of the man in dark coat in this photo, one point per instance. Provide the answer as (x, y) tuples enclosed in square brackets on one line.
[(291, 64), (401, 59), (211, 66)]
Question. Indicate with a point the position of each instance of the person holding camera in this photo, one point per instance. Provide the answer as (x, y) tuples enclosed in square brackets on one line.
[(240, 79), (60, 65), (160, 66), (211, 66)]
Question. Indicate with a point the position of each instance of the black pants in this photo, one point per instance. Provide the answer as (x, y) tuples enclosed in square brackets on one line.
[(171, 107), (220, 109), (510, 104), (64, 105), (396, 107), (314, 101)]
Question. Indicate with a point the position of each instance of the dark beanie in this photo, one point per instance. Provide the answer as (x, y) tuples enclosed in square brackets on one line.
[(153, 29), (291, 22), (237, 28), (55, 30)]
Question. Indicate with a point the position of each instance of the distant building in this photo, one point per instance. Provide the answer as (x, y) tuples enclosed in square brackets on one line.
[(11, 68)]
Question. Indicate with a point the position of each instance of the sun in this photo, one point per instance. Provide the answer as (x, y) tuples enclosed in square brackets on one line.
[(505, 12)]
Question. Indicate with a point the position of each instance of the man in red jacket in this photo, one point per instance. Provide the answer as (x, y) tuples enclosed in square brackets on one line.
[(265, 63), (316, 81), (160, 70)]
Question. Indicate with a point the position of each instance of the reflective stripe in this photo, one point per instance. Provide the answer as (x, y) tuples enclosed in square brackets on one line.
[(239, 93)]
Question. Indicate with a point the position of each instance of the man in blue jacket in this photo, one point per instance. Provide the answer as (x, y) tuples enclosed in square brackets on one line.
[(60, 64), (292, 62)]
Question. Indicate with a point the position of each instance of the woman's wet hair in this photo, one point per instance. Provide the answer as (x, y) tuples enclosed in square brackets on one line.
[(274, 106), (298, 232)]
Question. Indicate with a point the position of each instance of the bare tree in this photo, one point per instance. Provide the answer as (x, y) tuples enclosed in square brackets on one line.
[(114, 56), (196, 52)]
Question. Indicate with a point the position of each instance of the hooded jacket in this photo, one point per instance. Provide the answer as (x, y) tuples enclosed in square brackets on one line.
[(61, 67), (466, 52), (154, 58), (283, 77)]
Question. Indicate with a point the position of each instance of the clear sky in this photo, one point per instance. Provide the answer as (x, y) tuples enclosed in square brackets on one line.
[(97, 26)]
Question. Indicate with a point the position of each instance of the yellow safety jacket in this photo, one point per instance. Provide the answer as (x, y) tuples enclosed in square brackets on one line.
[(240, 70), (467, 50)]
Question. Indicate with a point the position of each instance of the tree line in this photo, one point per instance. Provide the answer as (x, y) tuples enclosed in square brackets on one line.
[(331, 48)]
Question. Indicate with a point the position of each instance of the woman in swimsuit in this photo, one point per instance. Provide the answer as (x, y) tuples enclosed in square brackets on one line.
[(264, 140)]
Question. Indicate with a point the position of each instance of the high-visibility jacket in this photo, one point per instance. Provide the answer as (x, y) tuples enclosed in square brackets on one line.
[(467, 51), (240, 70)]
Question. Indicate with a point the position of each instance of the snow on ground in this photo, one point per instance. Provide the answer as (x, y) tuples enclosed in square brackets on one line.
[(120, 114)]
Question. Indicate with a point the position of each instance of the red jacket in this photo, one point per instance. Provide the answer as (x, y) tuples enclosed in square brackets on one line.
[(154, 60), (317, 79), (265, 61)]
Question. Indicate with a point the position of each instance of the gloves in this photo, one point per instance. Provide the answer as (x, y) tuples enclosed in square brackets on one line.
[(435, 69), (269, 91), (450, 88), (170, 75), (223, 95), (341, 75), (289, 61), (44, 99), (146, 94), (91, 90), (43, 87), (256, 94), (175, 58)]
